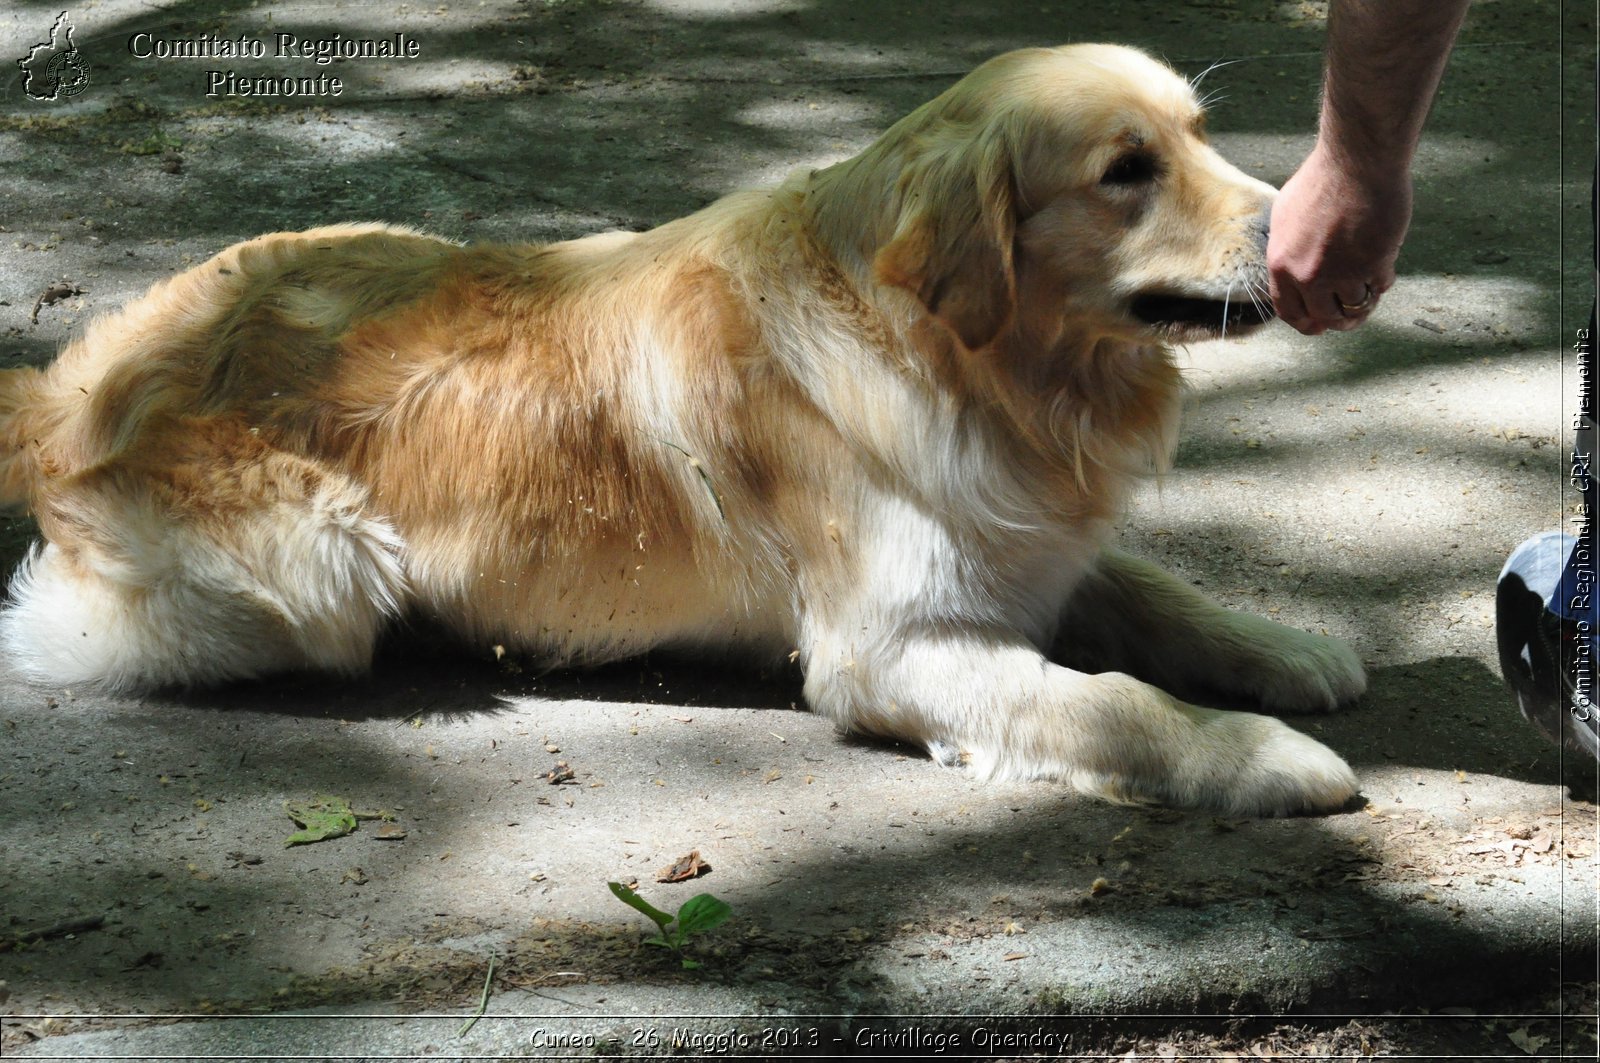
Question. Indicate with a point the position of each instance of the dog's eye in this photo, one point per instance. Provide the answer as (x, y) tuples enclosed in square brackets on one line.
[(1134, 168)]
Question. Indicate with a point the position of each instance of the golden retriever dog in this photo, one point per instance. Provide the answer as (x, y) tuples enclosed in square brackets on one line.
[(879, 419)]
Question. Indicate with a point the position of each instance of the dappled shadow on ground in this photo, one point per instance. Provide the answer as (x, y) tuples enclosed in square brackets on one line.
[(1146, 893), (1451, 714), (624, 113), (582, 116)]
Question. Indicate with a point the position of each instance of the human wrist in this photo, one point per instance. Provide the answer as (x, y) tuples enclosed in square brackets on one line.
[(1357, 163)]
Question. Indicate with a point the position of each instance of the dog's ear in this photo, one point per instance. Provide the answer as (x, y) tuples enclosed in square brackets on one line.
[(952, 242)]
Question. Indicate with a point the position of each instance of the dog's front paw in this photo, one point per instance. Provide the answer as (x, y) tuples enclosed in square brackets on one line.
[(1239, 764), (1292, 774), (1244, 764), (1295, 671)]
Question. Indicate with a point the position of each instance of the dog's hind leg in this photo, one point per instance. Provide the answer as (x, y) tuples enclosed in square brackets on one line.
[(1129, 615), (201, 555)]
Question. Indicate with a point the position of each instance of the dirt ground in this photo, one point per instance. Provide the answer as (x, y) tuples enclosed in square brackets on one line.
[(1368, 485)]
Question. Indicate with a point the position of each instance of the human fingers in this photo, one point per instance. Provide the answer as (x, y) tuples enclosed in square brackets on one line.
[(1354, 312), (1289, 301)]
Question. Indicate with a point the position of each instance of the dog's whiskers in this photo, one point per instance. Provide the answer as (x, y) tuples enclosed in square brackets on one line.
[(1194, 82), (1260, 297), (1251, 288)]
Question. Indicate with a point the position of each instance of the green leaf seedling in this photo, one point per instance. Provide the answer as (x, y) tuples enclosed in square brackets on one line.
[(695, 916)]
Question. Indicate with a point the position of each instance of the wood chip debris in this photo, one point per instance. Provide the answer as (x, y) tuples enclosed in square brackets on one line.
[(684, 868), (53, 295), (1513, 844)]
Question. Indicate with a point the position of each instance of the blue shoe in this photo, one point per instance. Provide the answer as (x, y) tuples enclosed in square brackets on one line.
[(1548, 639)]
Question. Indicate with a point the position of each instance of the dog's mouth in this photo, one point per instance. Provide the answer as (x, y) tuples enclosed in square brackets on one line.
[(1188, 314)]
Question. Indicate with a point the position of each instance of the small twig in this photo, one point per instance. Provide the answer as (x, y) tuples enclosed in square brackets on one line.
[(1317, 935), (705, 477), (62, 929), (562, 1000), (483, 1002)]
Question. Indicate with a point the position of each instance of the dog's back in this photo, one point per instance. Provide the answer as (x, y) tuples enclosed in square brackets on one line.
[(256, 465)]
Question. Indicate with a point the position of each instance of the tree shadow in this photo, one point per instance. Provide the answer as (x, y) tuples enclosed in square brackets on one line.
[(583, 116)]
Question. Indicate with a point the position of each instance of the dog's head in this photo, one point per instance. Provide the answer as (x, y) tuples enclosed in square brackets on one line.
[(1073, 189)]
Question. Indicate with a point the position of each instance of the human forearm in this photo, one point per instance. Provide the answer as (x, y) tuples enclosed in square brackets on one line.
[(1338, 224), (1385, 60)]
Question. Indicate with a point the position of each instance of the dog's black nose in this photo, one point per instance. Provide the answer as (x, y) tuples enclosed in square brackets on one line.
[(1261, 225)]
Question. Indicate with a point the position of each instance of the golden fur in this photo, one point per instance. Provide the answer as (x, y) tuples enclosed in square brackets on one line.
[(882, 414)]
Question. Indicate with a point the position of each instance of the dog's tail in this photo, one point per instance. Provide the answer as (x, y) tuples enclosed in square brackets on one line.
[(20, 399)]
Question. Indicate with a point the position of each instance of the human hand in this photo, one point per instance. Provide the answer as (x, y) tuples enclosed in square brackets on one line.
[(1335, 235)]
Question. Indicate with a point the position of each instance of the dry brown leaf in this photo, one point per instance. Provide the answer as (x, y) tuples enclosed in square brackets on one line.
[(685, 868)]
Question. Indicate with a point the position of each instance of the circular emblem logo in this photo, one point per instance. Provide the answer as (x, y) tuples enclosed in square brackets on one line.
[(67, 74)]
